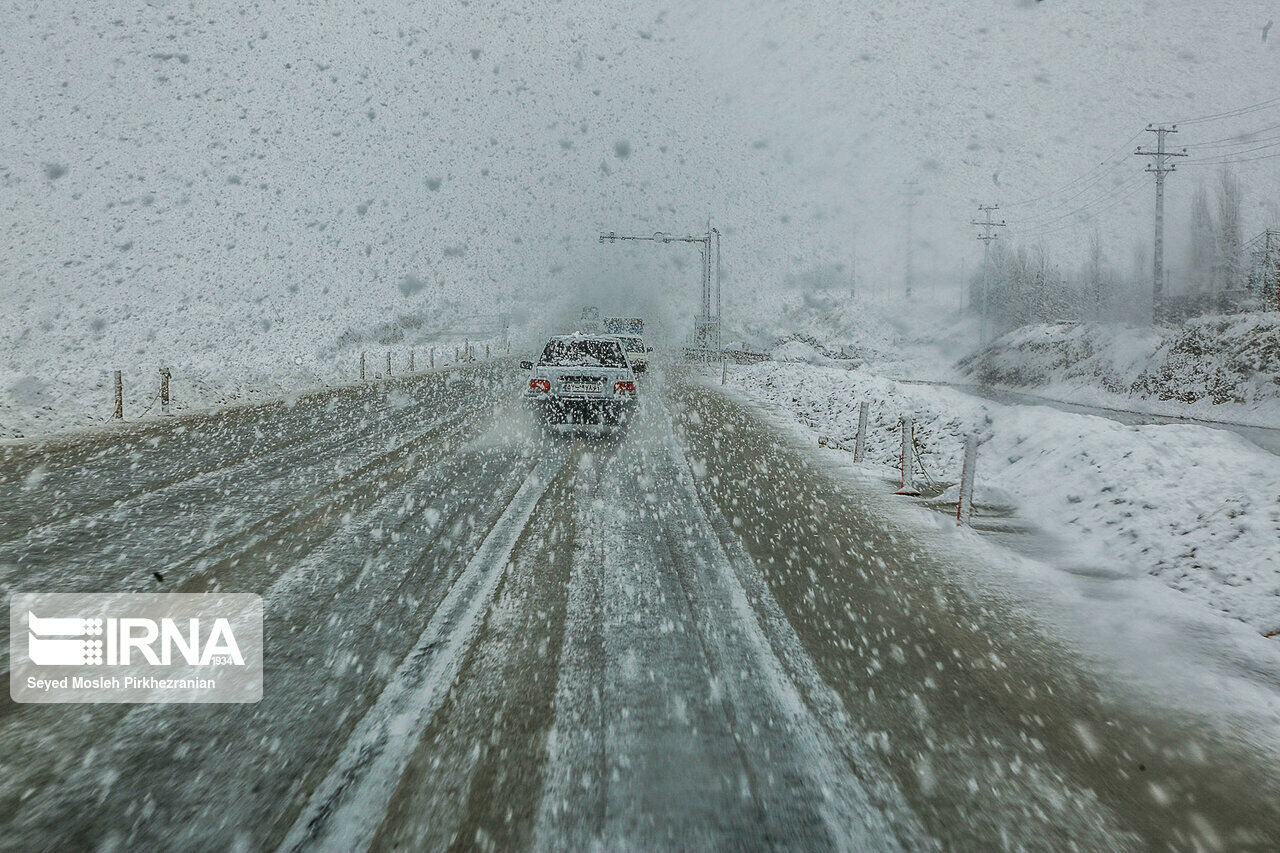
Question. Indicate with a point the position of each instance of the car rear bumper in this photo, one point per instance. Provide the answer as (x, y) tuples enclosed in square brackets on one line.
[(582, 409)]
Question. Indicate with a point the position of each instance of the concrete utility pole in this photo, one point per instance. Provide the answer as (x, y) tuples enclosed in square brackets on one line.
[(706, 330), (1159, 167), (986, 237), (913, 192)]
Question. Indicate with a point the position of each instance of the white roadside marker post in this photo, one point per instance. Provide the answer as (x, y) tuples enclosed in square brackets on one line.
[(433, 358), (486, 352), (724, 368), (964, 507), (118, 412), (362, 366), (907, 461), (411, 359), (860, 446), (388, 364)]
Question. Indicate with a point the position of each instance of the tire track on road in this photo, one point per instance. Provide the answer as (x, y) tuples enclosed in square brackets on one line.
[(346, 809)]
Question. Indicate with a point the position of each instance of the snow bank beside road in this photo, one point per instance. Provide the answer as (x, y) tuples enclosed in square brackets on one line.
[(1221, 367), (1197, 508)]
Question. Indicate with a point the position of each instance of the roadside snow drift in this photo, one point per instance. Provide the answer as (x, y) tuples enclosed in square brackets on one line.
[(1197, 508), (1231, 361)]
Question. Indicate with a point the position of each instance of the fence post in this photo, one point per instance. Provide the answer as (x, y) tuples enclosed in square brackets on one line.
[(486, 352), (433, 358), (388, 364), (362, 366), (907, 460), (118, 413), (455, 355), (964, 507), (164, 390), (860, 446), (724, 368), (411, 359)]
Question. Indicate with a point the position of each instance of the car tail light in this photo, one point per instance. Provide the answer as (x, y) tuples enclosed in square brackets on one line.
[(624, 387), (542, 386)]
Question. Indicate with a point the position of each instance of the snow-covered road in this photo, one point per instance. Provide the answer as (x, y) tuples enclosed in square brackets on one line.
[(686, 636)]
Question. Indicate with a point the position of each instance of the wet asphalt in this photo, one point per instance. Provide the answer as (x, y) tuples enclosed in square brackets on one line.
[(480, 634)]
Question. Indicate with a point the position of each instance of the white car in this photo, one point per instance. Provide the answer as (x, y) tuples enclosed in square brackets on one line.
[(637, 351), (582, 379)]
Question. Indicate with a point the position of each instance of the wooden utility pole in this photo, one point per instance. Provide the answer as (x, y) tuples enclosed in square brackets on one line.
[(1159, 166)]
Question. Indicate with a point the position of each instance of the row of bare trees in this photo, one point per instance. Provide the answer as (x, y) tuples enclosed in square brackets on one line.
[(1025, 286)]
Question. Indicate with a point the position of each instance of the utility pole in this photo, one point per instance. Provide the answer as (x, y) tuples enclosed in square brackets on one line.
[(1159, 167), (913, 193), (986, 237)]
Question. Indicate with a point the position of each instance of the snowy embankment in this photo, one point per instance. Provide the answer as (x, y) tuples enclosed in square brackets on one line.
[(1215, 368), (34, 405), (1197, 508)]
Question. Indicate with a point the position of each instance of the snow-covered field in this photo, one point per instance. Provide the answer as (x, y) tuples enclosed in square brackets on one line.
[(1197, 509)]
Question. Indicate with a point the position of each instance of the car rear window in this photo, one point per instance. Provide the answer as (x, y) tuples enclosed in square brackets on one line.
[(633, 344), (586, 353)]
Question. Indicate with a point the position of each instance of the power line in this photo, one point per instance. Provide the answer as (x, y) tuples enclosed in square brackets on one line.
[(1235, 139), (1231, 162), (1252, 108), (1124, 185), (1094, 209), (1112, 203), (1122, 150)]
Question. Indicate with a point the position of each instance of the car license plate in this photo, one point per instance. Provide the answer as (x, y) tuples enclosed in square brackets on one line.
[(580, 387)]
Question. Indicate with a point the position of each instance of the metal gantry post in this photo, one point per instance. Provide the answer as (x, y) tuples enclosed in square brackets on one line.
[(706, 327)]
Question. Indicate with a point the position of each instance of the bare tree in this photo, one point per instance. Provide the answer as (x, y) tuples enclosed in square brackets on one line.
[(1093, 272), (1230, 262), (1203, 242)]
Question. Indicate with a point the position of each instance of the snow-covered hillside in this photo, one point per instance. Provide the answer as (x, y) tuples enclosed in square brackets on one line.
[(1224, 367)]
